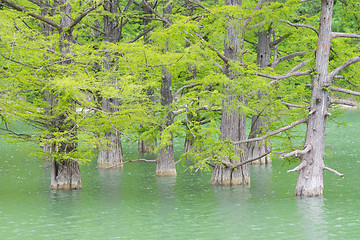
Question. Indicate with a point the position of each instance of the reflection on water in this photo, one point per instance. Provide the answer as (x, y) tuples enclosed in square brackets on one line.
[(133, 203), (313, 217)]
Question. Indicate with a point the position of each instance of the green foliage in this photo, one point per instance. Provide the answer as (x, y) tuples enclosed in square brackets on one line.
[(61, 96)]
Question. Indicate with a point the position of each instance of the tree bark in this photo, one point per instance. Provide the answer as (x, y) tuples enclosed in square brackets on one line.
[(258, 124), (110, 154), (65, 173), (310, 178), (232, 124), (165, 164)]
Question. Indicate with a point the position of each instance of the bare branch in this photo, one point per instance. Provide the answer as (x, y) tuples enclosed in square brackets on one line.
[(197, 3), (296, 153), (344, 35), (279, 78), (289, 105), (222, 56), (251, 160), (297, 25), (304, 120), (337, 89), (82, 15), (21, 63), (141, 34), (48, 65), (253, 43), (137, 160), (277, 41), (287, 57), (334, 171), (24, 10), (122, 133), (342, 67), (299, 167), (344, 102), (186, 86), (156, 14)]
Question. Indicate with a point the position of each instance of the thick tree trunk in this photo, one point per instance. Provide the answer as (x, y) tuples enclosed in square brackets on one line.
[(165, 165), (110, 154), (258, 124), (232, 125), (310, 179), (256, 149), (65, 173)]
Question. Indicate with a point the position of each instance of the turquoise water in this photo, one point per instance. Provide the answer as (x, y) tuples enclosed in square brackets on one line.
[(131, 203)]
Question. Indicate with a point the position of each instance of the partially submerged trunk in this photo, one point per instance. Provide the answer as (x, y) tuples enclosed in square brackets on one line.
[(65, 173), (258, 124), (232, 125), (259, 148), (110, 153), (310, 179), (165, 164)]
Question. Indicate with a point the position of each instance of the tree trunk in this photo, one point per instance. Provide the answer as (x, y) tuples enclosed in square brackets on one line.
[(232, 124), (258, 124), (110, 153), (165, 165), (232, 127), (150, 145), (65, 173), (310, 178)]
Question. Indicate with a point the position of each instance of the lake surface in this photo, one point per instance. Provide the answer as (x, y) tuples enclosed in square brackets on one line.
[(132, 203)]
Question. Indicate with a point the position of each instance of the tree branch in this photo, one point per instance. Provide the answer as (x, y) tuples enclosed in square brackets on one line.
[(137, 160), (197, 3), (251, 160), (296, 153), (344, 35), (301, 25), (287, 57), (342, 67), (337, 89), (12, 60), (344, 102), (334, 171), (141, 34), (299, 167), (277, 41), (24, 10), (289, 105), (304, 120), (82, 15), (186, 86), (222, 56)]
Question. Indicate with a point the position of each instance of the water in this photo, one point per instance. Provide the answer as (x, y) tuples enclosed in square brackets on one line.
[(131, 203)]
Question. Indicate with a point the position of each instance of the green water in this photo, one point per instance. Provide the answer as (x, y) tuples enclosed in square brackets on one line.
[(133, 204)]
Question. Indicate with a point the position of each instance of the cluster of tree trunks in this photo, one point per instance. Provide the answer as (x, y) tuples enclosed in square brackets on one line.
[(229, 170)]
